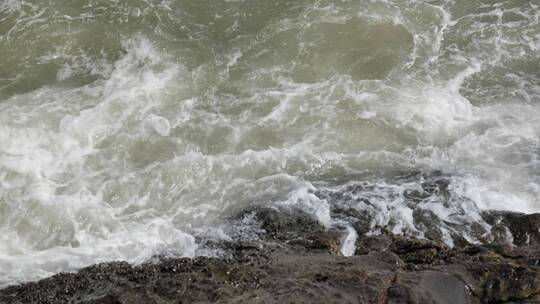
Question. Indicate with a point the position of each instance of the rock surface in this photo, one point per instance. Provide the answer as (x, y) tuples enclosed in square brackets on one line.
[(294, 259)]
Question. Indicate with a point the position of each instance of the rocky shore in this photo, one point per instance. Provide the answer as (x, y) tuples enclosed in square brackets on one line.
[(294, 259)]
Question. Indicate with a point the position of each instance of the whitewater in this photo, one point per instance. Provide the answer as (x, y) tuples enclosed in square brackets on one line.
[(135, 129)]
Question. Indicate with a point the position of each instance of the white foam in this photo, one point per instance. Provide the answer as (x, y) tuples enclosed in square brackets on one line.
[(159, 124), (45, 166), (348, 245), (134, 244)]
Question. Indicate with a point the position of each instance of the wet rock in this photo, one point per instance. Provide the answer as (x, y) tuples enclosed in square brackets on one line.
[(297, 229), (418, 251), (429, 223), (428, 286), (505, 281), (359, 219), (443, 287), (366, 244), (285, 258), (400, 294), (520, 229), (435, 183), (318, 278)]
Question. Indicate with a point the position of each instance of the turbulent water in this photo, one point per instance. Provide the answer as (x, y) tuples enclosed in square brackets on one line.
[(130, 129)]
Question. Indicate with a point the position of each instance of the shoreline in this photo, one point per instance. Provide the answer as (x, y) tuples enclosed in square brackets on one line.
[(297, 260)]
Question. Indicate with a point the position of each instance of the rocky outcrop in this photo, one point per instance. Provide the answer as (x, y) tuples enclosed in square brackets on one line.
[(519, 229), (294, 259)]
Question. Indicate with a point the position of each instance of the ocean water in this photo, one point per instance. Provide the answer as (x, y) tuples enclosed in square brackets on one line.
[(130, 129)]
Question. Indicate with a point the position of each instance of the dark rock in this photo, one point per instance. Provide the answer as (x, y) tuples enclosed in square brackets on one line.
[(366, 244), (429, 223), (504, 281), (288, 278), (428, 286), (360, 219), (297, 229), (417, 251), (444, 287), (523, 229), (400, 294), (289, 263)]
